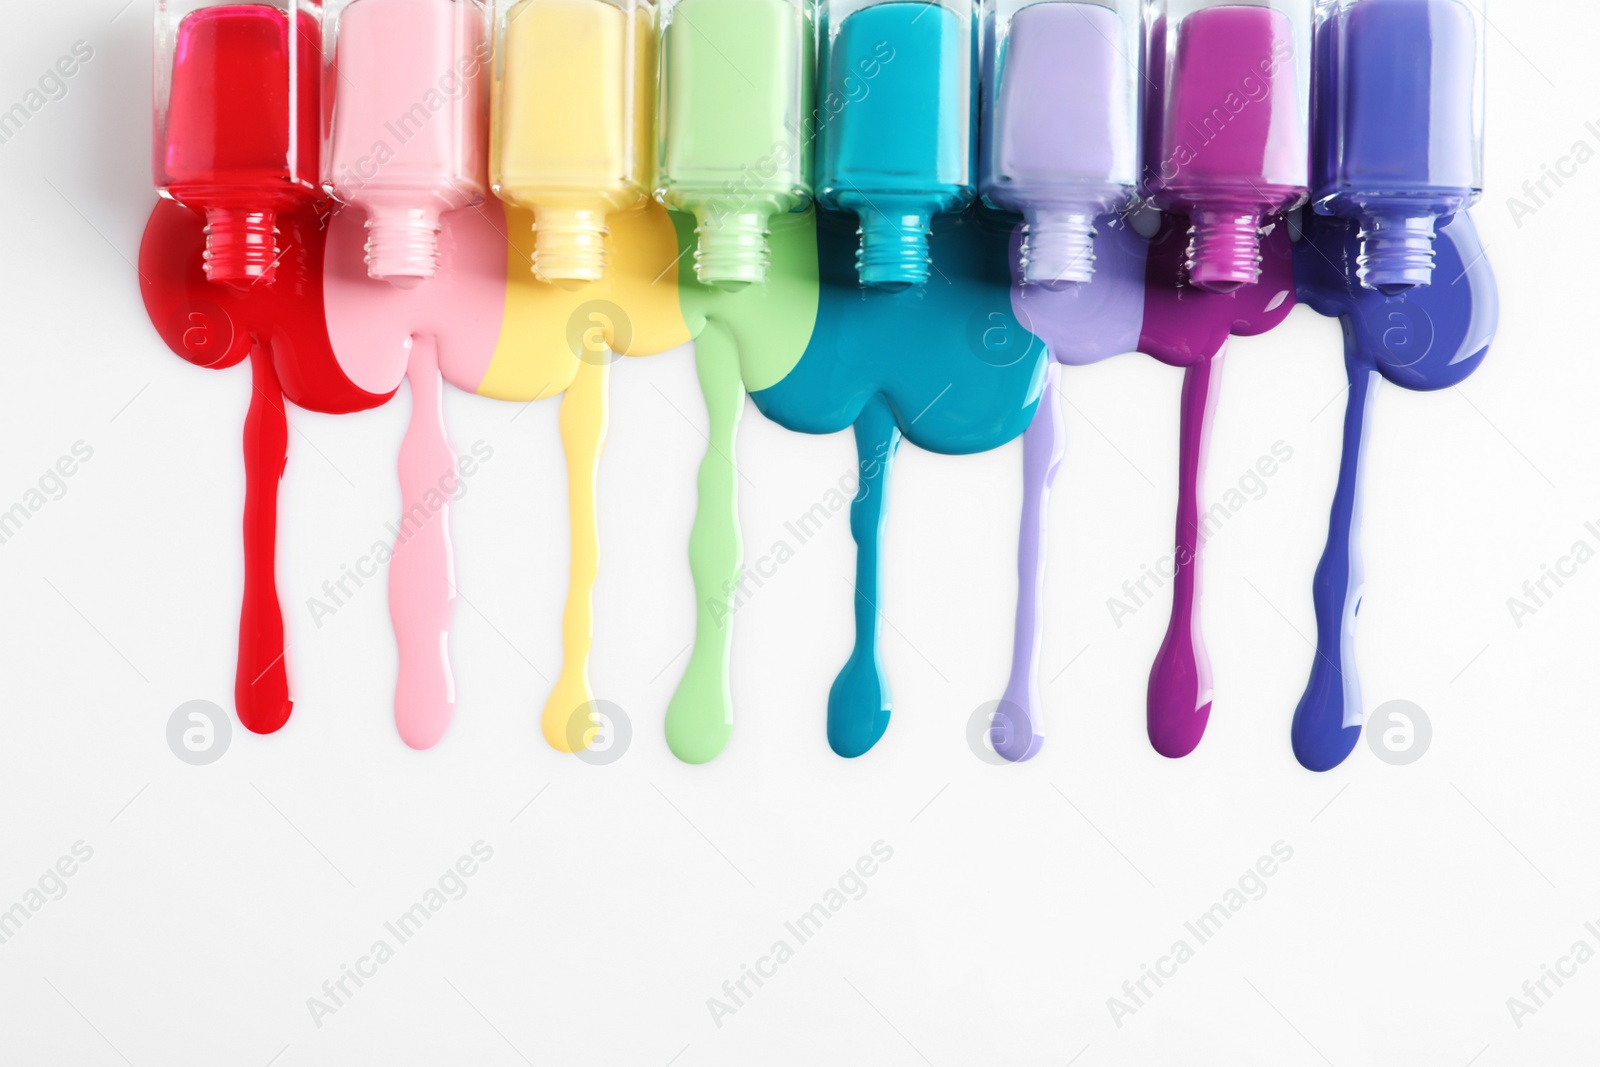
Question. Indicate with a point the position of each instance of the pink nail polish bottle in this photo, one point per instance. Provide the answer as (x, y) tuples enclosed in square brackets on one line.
[(237, 112), (407, 136), (1229, 126)]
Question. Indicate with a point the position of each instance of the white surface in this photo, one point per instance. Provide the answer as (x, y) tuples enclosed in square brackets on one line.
[(218, 899)]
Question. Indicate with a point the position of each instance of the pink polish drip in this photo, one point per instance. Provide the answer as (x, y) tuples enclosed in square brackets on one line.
[(422, 573)]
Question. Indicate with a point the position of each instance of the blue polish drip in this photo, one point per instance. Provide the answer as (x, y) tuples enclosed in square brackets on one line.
[(1427, 338)]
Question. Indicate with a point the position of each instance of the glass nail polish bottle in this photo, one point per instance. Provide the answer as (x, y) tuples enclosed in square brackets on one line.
[(238, 123), (1229, 140), (735, 142), (408, 81), (1060, 125), (573, 103), (1399, 140), (898, 116)]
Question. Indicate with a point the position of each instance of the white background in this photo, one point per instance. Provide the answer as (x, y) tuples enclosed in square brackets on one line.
[(1018, 899)]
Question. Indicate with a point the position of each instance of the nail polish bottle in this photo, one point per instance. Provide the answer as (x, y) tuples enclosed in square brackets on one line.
[(237, 123), (574, 88), (1399, 127), (898, 118), (1060, 125), (735, 142), (1229, 140), (408, 80)]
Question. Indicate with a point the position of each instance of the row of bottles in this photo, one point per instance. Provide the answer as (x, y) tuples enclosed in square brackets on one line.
[(1203, 108)]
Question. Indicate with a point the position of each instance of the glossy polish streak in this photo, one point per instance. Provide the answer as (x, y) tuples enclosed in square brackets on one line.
[(1189, 327), (1430, 337), (889, 364), (280, 326), (422, 586)]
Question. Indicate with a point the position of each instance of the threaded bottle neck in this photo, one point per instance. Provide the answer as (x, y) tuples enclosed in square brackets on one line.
[(241, 246), (1058, 249), (894, 250), (569, 246), (402, 245), (1224, 250), (733, 251), (1396, 253)]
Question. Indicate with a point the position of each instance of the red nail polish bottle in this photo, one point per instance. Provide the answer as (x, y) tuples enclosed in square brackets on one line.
[(238, 123)]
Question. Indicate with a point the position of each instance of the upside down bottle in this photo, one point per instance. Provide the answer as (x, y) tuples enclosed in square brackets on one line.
[(898, 122), (1060, 125), (1229, 140), (574, 86), (735, 133), (1399, 127), (238, 125), (408, 84)]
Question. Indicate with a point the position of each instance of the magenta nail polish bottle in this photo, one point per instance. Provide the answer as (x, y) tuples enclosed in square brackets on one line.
[(1229, 123), (1060, 143), (1399, 140), (408, 135)]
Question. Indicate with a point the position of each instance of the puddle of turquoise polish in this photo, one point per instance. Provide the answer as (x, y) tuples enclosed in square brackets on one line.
[(1083, 324), (1188, 327), (747, 339), (949, 366), (1427, 338)]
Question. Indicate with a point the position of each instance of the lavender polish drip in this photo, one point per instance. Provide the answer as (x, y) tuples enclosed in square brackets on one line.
[(1017, 728)]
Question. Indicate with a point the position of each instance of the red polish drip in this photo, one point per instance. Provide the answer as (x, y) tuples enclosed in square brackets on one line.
[(279, 324), (261, 684)]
